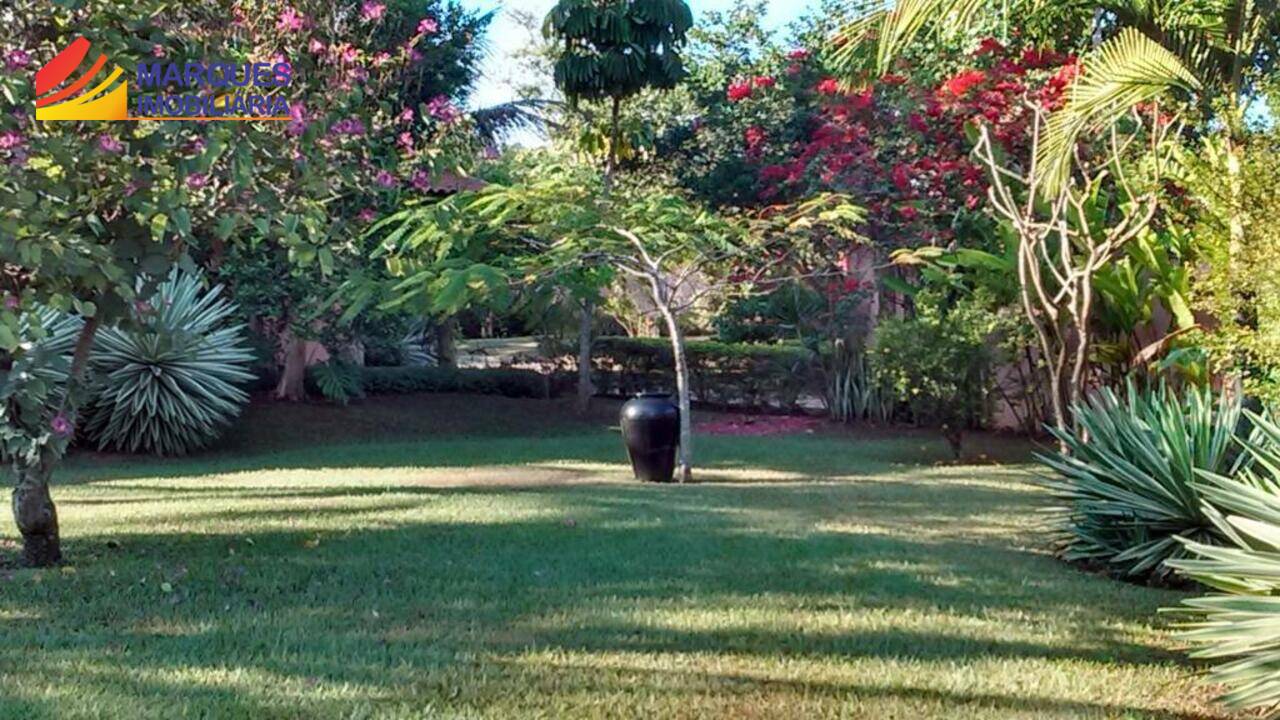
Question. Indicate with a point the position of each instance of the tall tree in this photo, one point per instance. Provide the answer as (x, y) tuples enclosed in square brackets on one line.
[(610, 50)]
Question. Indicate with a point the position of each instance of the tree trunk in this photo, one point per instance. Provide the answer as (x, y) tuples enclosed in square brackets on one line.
[(611, 161), (33, 510), (684, 467), (446, 344), (36, 517), (585, 388), (292, 385)]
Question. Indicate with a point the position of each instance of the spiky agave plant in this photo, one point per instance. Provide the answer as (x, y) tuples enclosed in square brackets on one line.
[(170, 380), (1126, 483), (1240, 626)]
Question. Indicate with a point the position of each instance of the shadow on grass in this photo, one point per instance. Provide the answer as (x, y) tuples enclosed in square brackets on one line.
[(435, 610)]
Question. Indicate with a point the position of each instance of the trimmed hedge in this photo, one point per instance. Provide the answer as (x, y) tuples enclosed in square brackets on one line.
[(506, 382), (721, 374)]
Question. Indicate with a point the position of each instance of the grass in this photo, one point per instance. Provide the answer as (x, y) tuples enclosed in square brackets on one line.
[(490, 558)]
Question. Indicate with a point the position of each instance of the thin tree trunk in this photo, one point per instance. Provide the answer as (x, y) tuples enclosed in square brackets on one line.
[(611, 163), (292, 385), (585, 388), (684, 468), (33, 509), (446, 344)]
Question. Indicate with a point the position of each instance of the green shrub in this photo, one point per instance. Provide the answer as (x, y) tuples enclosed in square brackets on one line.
[(939, 363), (337, 381), (1127, 492), (507, 382), (724, 374), (170, 379), (1240, 627)]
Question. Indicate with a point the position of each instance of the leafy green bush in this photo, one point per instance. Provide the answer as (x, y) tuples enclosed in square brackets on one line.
[(1240, 627), (506, 382), (939, 362), (170, 378), (1127, 484), (339, 382), (725, 374)]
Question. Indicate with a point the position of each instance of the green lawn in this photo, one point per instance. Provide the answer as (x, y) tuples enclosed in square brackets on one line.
[(466, 565)]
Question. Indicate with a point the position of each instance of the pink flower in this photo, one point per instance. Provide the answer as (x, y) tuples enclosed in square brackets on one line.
[(291, 20), (9, 140), (405, 141), (415, 55), (316, 47), (738, 91), (385, 179), (420, 180), (352, 126), (60, 425), (106, 143), (754, 136), (406, 115), (158, 51), (764, 81), (17, 60), (381, 58), (371, 11), (12, 302), (367, 215), (348, 53), (828, 86), (798, 54), (297, 119), (794, 69), (195, 181), (442, 109), (428, 26)]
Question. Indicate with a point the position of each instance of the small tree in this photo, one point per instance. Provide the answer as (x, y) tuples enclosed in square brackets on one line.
[(1066, 236), (612, 51)]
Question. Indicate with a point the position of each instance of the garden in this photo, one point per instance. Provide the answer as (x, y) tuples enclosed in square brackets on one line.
[(913, 359)]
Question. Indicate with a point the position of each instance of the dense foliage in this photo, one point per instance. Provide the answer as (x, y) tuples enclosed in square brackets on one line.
[(1127, 491), (169, 381)]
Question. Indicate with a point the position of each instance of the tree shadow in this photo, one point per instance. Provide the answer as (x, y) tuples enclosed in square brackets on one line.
[(440, 590)]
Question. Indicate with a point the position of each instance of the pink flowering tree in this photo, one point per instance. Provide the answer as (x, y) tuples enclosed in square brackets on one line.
[(89, 210)]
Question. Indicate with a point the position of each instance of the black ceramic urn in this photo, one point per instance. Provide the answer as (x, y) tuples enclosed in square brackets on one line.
[(651, 431)]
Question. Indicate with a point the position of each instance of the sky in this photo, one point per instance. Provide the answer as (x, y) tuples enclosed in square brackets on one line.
[(505, 36)]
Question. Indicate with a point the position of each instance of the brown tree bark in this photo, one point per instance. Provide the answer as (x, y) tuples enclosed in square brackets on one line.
[(446, 344), (585, 388), (292, 386), (33, 509)]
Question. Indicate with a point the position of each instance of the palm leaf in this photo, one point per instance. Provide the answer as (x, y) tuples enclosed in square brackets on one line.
[(1127, 70)]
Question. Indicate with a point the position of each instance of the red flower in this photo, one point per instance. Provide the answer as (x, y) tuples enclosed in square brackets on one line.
[(798, 54), (961, 84), (754, 136), (901, 178), (893, 79), (917, 123), (908, 212), (989, 46), (764, 81), (828, 86), (738, 91)]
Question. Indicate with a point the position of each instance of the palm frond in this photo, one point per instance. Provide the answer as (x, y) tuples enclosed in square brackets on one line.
[(495, 123), (1127, 70)]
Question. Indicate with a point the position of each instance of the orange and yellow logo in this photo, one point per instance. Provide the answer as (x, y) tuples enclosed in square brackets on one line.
[(108, 100)]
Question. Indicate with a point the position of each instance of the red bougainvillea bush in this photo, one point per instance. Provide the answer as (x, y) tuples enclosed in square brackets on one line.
[(903, 149)]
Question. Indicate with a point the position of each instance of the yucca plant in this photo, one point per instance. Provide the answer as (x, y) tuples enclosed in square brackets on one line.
[(1240, 627), (1126, 482), (170, 380)]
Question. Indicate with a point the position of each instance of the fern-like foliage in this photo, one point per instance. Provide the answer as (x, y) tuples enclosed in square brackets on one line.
[(170, 380)]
